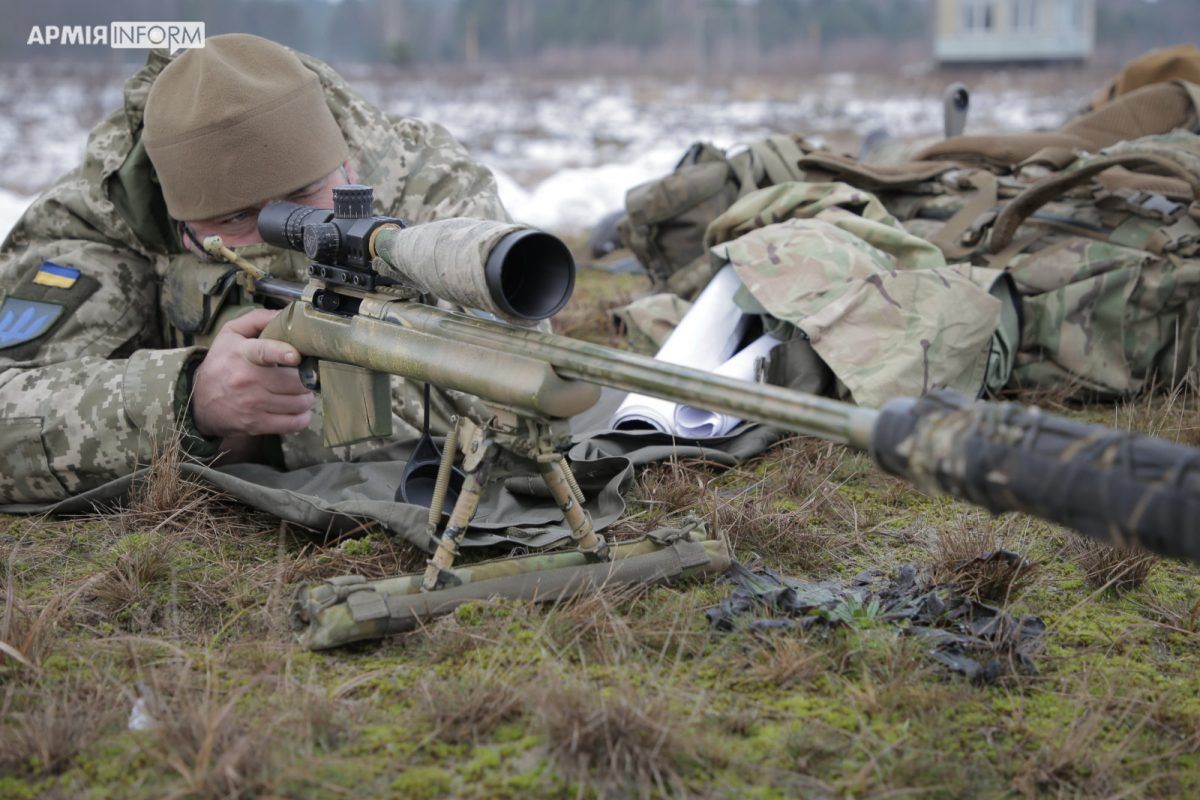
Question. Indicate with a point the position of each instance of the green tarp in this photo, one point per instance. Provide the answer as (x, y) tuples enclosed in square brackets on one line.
[(337, 496)]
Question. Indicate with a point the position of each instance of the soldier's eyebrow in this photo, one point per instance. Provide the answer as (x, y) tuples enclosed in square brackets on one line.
[(312, 187)]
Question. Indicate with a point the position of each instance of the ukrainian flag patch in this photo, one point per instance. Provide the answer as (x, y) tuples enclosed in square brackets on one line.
[(56, 275)]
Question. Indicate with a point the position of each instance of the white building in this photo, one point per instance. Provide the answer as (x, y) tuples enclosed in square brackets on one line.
[(990, 31)]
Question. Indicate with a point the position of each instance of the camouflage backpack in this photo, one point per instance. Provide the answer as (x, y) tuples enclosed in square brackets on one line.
[(1096, 228), (665, 219)]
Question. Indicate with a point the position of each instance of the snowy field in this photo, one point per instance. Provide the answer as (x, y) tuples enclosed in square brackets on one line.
[(564, 152)]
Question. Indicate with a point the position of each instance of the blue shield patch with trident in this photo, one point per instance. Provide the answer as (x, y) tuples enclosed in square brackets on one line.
[(23, 320)]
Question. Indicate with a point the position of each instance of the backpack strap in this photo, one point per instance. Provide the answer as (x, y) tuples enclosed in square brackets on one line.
[(875, 177), (949, 238), (1154, 109), (1001, 149), (1054, 158), (1054, 186), (775, 159)]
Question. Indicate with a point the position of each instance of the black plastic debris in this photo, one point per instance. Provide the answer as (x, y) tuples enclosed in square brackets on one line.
[(978, 640)]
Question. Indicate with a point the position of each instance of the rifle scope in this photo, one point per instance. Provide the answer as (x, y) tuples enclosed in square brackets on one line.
[(515, 272)]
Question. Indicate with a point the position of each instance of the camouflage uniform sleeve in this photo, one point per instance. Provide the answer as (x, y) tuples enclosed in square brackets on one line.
[(442, 181), (81, 402)]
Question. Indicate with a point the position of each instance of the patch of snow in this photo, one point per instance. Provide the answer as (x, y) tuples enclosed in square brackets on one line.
[(12, 206), (575, 198)]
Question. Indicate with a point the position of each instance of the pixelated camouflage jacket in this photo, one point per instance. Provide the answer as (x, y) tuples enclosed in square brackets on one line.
[(87, 383)]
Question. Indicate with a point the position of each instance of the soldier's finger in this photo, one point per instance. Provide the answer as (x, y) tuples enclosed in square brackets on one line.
[(282, 380), (250, 324), (286, 403), (269, 353), (284, 423)]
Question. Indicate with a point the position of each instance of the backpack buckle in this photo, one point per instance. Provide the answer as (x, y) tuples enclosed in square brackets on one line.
[(1156, 206)]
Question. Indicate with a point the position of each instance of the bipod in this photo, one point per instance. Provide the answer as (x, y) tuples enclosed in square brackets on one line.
[(533, 438)]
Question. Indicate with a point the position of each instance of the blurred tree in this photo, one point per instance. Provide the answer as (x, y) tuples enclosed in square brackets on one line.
[(671, 36)]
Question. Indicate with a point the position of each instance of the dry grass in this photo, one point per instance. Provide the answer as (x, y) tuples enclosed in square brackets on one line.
[(671, 488), (620, 739), (1181, 615), (469, 706), (27, 634), (374, 557), (165, 499), (1085, 759), (129, 584), (593, 625), (783, 660), (967, 555), (804, 469), (588, 314), (1173, 415), (58, 721), (784, 516), (202, 737), (1115, 568), (447, 638), (787, 538)]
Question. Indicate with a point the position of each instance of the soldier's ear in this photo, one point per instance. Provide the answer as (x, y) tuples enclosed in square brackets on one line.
[(348, 172)]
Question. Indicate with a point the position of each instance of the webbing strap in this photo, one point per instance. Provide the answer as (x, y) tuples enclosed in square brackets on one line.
[(1054, 186), (790, 152), (742, 165), (1016, 247), (775, 159), (775, 170), (949, 239), (871, 177), (1119, 179), (1181, 235), (1157, 108), (1000, 149), (367, 606), (1055, 158), (1193, 93)]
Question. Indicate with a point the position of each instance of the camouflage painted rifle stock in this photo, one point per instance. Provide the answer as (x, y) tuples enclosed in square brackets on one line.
[(360, 309)]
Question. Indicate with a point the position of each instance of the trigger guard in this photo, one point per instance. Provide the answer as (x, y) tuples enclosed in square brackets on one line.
[(310, 373)]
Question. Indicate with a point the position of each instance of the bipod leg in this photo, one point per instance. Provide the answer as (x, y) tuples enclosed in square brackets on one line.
[(437, 568), (578, 520), (444, 475)]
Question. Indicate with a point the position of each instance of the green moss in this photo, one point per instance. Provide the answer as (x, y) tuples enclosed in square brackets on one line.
[(13, 788)]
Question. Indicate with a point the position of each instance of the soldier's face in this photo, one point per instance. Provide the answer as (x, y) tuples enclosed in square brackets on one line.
[(241, 227)]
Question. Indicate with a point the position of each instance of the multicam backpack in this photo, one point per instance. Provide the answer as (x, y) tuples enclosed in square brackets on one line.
[(1096, 226)]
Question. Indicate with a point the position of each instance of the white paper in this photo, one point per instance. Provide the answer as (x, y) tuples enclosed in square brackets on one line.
[(705, 338), (697, 423)]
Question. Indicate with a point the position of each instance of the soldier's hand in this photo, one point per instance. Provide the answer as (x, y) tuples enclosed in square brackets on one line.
[(249, 386)]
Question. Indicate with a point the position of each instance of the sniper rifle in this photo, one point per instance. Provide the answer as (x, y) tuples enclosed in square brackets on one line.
[(366, 313)]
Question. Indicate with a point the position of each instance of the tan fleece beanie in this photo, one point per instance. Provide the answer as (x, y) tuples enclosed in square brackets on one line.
[(235, 123)]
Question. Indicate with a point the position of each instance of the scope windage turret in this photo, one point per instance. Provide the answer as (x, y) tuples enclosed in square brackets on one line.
[(515, 272)]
